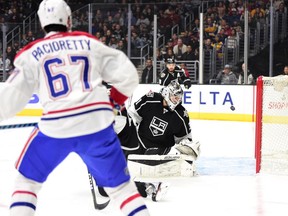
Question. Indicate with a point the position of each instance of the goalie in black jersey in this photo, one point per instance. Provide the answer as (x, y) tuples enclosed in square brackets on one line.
[(161, 126), (174, 72)]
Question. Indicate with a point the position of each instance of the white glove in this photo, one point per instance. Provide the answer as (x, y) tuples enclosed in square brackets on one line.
[(188, 147)]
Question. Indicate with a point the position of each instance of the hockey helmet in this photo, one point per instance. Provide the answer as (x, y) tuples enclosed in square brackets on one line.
[(55, 12), (172, 94), (170, 61)]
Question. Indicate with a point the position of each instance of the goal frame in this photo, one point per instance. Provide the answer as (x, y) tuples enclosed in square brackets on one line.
[(258, 125)]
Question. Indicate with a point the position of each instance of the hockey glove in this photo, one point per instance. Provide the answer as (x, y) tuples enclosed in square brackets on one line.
[(116, 107), (187, 83)]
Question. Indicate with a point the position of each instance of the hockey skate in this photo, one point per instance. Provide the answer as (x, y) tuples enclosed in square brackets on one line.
[(157, 191)]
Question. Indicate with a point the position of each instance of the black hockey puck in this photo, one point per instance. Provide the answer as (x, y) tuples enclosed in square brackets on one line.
[(232, 108)]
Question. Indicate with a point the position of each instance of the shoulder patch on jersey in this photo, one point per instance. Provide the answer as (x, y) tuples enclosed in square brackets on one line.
[(162, 75), (186, 114), (150, 94), (165, 110)]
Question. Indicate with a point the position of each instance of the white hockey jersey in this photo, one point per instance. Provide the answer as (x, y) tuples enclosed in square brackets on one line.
[(66, 71)]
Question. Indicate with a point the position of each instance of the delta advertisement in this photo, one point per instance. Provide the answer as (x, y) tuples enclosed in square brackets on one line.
[(203, 102)]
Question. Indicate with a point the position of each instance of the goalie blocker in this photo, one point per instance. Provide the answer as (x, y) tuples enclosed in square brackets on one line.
[(180, 161)]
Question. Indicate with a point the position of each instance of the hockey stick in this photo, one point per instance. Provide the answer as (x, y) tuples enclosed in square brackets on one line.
[(98, 206), (11, 126)]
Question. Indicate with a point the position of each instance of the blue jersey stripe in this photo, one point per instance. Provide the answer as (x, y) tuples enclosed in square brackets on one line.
[(137, 210), (76, 114), (23, 204)]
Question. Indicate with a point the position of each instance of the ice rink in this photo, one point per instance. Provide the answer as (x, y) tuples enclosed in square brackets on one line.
[(226, 184)]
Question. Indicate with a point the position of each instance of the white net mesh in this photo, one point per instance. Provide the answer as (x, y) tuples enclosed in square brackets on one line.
[(275, 125)]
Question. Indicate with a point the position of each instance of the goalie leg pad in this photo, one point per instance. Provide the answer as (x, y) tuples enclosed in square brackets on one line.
[(161, 165)]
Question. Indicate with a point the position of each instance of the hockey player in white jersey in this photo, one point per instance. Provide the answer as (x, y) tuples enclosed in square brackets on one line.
[(66, 70)]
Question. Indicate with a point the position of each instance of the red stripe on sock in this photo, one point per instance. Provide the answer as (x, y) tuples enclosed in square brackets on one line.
[(24, 192), (129, 199)]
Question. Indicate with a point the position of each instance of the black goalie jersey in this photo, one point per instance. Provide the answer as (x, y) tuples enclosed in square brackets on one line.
[(157, 125)]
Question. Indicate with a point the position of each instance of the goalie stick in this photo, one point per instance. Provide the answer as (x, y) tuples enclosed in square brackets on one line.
[(11, 126), (98, 206)]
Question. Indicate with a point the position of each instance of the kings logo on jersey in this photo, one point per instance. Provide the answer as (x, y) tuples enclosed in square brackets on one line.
[(157, 126)]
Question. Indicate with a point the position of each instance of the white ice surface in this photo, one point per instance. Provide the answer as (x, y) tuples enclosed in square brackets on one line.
[(226, 184)]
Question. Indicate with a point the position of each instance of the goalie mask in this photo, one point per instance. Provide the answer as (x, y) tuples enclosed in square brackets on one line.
[(54, 12), (172, 94)]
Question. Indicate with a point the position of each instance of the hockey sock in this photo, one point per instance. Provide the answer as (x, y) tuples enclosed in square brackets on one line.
[(24, 197), (128, 199)]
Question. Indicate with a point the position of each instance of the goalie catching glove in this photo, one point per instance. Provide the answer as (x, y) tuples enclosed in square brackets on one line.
[(189, 147)]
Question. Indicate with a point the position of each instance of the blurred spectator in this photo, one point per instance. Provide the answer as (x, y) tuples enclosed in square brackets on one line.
[(108, 35), (221, 9), (98, 35), (250, 78), (147, 74), (256, 11), (234, 17), (16, 46), (143, 21), (285, 70), (208, 45), (7, 63), (113, 42), (165, 24), (281, 8), (118, 32), (169, 45), (133, 20), (147, 11), (196, 27), (240, 7), (194, 43), (226, 76), (218, 46), (169, 54), (136, 41), (30, 37), (189, 55), (121, 46), (184, 68), (185, 37), (159, 55), (222, 36), (24, 40), (179, 49), (232, 40), (174, 17), (174, 39), (210, 27), (10, 53)]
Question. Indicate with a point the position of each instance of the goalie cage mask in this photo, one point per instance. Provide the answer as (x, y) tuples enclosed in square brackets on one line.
[(172, 94)]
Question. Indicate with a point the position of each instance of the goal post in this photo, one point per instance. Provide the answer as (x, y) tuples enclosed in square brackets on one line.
[(271, 144)]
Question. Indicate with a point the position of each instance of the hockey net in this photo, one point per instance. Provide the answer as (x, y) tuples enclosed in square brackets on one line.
[(272, 125)]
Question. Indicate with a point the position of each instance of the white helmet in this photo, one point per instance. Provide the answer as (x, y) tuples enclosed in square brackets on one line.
[(55, 12), (172, 94)]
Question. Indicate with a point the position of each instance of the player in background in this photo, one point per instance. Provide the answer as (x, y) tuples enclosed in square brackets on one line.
[(66, 70), (174, 72)]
